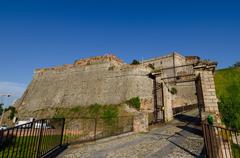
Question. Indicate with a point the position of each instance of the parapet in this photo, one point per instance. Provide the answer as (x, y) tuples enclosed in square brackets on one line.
[(192, 59), (108, 58), (99, 59)]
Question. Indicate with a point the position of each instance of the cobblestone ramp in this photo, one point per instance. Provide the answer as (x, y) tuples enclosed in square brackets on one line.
[(180, 138)]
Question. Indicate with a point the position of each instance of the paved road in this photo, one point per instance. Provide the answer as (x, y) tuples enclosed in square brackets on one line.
[(179, 138)]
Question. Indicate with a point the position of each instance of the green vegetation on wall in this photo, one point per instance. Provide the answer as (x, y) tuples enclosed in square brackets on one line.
[(134, 102), (57, 116), (92, 111), (173, 91), (110, 112), (227, 83), (151, 66), (109, 115), (95, 110)]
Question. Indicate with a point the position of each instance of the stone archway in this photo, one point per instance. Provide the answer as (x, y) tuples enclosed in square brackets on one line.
[(200, 74)]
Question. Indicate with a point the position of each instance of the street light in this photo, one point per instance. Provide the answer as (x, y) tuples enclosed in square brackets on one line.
[(3, 95)]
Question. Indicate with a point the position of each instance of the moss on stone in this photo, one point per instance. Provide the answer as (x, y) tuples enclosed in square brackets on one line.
[(134, 102)]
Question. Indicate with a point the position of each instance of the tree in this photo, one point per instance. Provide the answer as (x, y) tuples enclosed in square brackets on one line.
[(237, 64), (135, 62), (1, 108), (12, 112)]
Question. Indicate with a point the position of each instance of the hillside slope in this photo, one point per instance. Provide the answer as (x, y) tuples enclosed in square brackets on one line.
[(228, 91), (226, 77)]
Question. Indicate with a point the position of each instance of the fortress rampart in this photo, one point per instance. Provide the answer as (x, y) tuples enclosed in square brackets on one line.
[(108, 80), (102, 80)]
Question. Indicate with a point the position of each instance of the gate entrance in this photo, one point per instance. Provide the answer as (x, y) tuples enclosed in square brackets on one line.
[(158, 102), (187, 87), (158, 109)]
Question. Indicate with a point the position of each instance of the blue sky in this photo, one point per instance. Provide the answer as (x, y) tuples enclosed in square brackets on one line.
[(35, 34)]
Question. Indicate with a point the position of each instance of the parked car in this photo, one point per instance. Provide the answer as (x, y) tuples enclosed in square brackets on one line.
[(42, 125), (23, 124), (3, 127)]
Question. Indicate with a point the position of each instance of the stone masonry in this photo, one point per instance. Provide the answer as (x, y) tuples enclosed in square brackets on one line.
[(210, 101), (108, 80), (102, 82)]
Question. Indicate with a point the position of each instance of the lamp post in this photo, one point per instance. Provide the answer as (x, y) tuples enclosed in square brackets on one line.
[(3, 95)]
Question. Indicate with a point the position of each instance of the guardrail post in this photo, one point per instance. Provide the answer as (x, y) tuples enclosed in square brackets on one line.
[(118, 131), (132, 123), (62, 132), (40, 140), (95, 128)]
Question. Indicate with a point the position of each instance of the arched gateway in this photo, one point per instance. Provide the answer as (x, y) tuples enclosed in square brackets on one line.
[(182, 83)]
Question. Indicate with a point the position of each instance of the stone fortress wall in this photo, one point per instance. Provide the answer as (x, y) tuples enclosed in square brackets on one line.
[(108, 80), (102, 80)]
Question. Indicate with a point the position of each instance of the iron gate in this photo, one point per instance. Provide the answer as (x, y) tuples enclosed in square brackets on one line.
[(158, 113), (199, 94)]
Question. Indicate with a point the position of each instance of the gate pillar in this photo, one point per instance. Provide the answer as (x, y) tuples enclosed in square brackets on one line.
[(168, 112), (205, 72)]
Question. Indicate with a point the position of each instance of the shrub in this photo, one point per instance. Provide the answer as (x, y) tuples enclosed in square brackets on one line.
[(229, 106), (173, 91), (12, 110), (110, 111), (94, 110), (237, 64), (109, 114), (151, 66), (134, 102), (1, 108), (235, 150), (135, 62)]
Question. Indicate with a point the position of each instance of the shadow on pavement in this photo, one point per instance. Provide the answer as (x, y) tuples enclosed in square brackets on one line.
[(186, 118), (192, 130)]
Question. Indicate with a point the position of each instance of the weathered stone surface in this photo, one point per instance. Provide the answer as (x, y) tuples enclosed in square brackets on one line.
[(167, 104), (210, 100), (86, 85), (107, 80), (186, 94), (140, 122)]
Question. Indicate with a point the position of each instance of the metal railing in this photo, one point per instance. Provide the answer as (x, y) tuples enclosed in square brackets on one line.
[(78, 130), (220, 142), (32, 140)]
